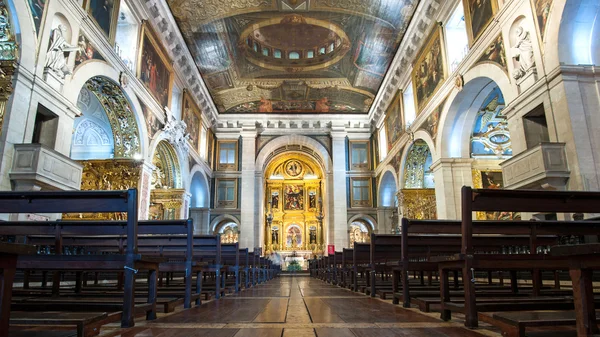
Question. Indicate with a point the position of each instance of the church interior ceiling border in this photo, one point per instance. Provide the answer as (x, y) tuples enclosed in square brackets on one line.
[(430, 70), (239, 85), (105, 15), (151, 51), (192, 116), (478, 16), (394, 120)]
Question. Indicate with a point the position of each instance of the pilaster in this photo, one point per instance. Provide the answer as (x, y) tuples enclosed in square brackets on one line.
[(338, 228), (248, 201), (450, 175)]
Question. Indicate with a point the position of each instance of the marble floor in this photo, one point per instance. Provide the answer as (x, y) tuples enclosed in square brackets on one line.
[(297, 307)]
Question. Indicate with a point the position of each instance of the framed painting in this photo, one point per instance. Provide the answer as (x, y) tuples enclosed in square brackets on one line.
[(492, 179), (542, 12), (478, 15), (294, 197), (154, 68), (105, 14), (192, 117), (430, 69), (393, 120)]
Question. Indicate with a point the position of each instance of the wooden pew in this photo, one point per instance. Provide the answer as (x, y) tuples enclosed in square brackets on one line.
[(9, 253), (90, 202), (514, 201), (361, 260), (385, 251), (245, 267), (230, 255), (423, 240), (346, 269)]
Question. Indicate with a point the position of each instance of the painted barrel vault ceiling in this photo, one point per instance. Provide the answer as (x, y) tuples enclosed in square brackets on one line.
[(293, 56)]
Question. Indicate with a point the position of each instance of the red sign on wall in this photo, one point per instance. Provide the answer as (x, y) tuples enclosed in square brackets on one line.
[(330, 249)]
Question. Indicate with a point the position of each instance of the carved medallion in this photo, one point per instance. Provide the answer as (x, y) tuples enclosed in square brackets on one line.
[(294, 168)]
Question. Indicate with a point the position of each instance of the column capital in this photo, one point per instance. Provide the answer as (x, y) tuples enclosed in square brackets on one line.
[(451, 162)]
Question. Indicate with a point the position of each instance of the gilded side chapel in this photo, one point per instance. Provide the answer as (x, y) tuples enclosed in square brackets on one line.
[(299, 127)]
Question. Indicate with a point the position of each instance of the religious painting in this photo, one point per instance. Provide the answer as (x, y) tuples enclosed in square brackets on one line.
[(495, 53), (192, 117), (478, 15), (86, 51), (433, 121), (430, 70), (211, 145), (542, 12), (154, 68), (294, 197), (257, 57), (153, 124), (492, 179), (393, 120), (105, 14), (37, 12)]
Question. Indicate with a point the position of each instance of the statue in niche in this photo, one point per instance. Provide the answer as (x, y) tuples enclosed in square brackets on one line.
[(312, 200), (56, 58), (523, 53), (294, 241), (275, 236), (275, 200), (313, 236)]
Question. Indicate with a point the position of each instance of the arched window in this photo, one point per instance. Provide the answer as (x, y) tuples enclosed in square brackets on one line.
[(294, 55)]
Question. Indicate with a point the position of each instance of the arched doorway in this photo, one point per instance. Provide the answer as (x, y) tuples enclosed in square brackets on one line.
[(418, 193), (293, 205), (166, 195), (229, 231), (360, 231)]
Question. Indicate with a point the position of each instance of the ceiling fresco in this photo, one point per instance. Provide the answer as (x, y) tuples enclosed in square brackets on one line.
[(293, 56)]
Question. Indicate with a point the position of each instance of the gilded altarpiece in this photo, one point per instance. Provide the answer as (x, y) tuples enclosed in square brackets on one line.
[(107, 175), (418, 204), (293, 200)]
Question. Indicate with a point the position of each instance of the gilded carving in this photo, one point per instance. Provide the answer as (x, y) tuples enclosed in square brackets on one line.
[(107, 175), (418, 204), (8, 56), (121, 117)]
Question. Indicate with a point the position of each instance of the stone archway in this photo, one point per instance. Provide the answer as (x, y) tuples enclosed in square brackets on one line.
[(167, 197), (293, 201)]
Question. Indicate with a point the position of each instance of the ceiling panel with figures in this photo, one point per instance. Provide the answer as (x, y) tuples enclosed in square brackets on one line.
[(293, 56)]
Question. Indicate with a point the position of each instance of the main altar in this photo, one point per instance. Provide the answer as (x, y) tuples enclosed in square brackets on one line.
[(294, 208)]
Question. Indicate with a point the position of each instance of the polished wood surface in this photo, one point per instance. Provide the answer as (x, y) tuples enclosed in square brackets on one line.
[(295, 306)]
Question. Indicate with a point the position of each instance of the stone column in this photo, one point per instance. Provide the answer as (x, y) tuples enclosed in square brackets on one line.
[(450, 175), (384, 220), (338, 226), (248, 201), (201, 218)]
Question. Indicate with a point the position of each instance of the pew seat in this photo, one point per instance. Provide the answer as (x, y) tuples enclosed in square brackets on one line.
[(87, 324), (514, 324)]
